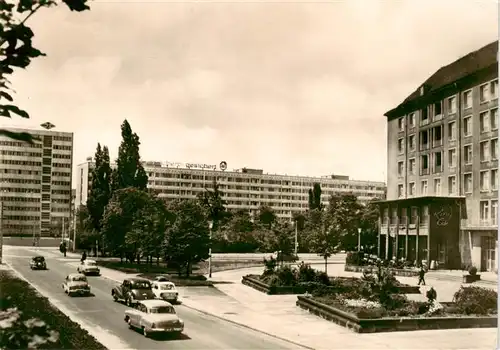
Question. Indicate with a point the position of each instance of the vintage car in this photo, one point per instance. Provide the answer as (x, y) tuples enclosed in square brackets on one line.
[(88, 267), (165, 290), (133, 290), (154, 316), (38, 263), (76, 283)]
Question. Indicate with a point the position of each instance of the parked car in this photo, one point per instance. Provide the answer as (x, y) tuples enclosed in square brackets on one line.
[(166, 291), (38, 263), (154, 316), (132, 290), (76, 283), (89, 267)]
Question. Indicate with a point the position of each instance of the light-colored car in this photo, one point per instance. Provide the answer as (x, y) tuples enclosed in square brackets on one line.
[(166, 291), (154, 316), (76, 283), (89, 267)]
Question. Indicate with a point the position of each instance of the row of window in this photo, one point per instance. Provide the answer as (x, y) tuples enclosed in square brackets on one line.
[(20, 144), (61, 156), (62, 138), (31, 200), (488, 181), (487, 92), (21, 217), (62, 148), (31, 190), (488, 212)]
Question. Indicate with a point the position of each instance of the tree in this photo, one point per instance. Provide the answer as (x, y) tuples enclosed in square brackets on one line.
[(346, 211), (325, 237), (129, 171), (17, 51), (267, 216), (315, 197), (369, 226), (100, 191), (281, 239), (214, 205), (239, 233), (188, 237), (85, 232)]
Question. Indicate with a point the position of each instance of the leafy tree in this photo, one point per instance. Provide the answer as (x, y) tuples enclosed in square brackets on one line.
[(214, 204), (17, 51), (312, 223), (188, 237), (299, 220), (85, 232), (281, 239), (369, 226), (325, 238), (239, 233), (346, 212), (267, 216), (100, 191), (129, 171), (315, 197)]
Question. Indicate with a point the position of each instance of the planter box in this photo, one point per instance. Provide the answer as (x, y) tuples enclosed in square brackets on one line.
[(397, 272), (254, 282), (471, 278), (355, 324)]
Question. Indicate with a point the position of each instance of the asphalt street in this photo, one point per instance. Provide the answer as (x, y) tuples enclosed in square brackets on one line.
[(201, 331)]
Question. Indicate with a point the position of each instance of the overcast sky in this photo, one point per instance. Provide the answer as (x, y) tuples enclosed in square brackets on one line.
[(296, 88)]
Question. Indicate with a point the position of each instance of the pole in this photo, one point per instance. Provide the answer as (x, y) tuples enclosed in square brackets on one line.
[(96, 248), (296, 237), (74, 231), (210, 254), (1, 232), (359, 240)]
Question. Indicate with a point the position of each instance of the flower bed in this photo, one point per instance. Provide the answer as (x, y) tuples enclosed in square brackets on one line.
[(397, 272)]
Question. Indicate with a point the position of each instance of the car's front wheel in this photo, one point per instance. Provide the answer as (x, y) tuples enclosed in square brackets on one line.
[(145, 332)]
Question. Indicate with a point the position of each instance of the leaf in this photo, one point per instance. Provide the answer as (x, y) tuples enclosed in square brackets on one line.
[(13, 109), (77, 5), (5, 95), (19, 136)]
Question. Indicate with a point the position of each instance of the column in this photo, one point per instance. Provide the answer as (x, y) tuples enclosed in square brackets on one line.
[(475, 251), (417, 226), (406, 210), (395, 253), (379, 233)]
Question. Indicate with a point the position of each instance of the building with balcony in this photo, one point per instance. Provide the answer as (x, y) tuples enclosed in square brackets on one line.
[(35, 183), (442, 186), (242, 189)]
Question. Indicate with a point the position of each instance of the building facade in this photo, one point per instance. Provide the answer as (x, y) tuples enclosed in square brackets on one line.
[(35, 183), (442, 186), (244, 189)]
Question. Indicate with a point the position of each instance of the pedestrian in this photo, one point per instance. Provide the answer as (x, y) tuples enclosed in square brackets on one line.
[(421, 275), (84, 256)]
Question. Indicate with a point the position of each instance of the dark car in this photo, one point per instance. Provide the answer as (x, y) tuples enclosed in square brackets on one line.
[(132, 290), (38, 263)]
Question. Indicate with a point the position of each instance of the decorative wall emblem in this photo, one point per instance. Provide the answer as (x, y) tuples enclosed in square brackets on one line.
[(443, 215)]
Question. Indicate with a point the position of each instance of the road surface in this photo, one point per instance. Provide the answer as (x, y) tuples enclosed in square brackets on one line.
[(201, 331)]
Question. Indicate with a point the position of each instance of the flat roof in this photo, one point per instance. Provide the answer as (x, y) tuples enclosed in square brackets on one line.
[(421, 199)]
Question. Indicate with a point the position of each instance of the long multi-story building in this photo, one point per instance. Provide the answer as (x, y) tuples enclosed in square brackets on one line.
[(35, 183), (242, 189), (442, 194)]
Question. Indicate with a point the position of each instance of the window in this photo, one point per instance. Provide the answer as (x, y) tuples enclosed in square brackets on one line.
[(494, 118), (400, 191), (438, 162), (452, 158), (484, 121), (494, 179), (467, 99), (452, 105), (411, 142), (412, 188), (424, 164), (484, 93), (452, 184), (424, 117), (423, 187), (452, 131), (411, 166), (484, 151), (401, 124), (438, 108), (400, 168), (467, 126), (494, 149), (494, 212), (468, 154), (468, 183), (401, 146), (437, 186), (484, 210), (494, 89), (411, 120), (484, 180), (438, 136)]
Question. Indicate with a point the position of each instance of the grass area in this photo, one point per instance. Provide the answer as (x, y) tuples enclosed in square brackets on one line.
[(28, 320)]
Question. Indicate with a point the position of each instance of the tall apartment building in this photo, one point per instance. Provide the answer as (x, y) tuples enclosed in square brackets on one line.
[(244, 189), (35, 183), (442, 190)]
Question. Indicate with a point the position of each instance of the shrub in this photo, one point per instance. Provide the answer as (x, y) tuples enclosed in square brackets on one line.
[(269, 266), (322, 278), (310, 287), (379, 286), (355, 258), (321, 290), (306, 273), (473, 271), (476, 300), (369, 313), (286, 276)]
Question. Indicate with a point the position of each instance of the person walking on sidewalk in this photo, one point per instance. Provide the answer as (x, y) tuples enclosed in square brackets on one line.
[(421, 275), (84, 256)]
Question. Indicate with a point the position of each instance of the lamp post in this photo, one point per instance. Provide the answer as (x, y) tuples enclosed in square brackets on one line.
[(296, 238), (359, 239), (210, 225)]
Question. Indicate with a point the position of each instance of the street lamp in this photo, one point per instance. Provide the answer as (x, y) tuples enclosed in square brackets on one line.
[(359, 239), (210, 225)]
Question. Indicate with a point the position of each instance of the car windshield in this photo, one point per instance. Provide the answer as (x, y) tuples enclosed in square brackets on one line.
[(141, 285), (167, 287), (163, 310), (91, 263), (39, 259), (79, 279)]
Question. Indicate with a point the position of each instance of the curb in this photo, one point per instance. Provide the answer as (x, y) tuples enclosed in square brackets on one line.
[(102, 338), (248, 327)]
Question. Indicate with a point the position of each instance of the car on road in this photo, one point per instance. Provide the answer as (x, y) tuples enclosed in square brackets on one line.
[(133, 290), (38, 263), (76, 283), (154, 316), (165, 290), (88, 267)]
